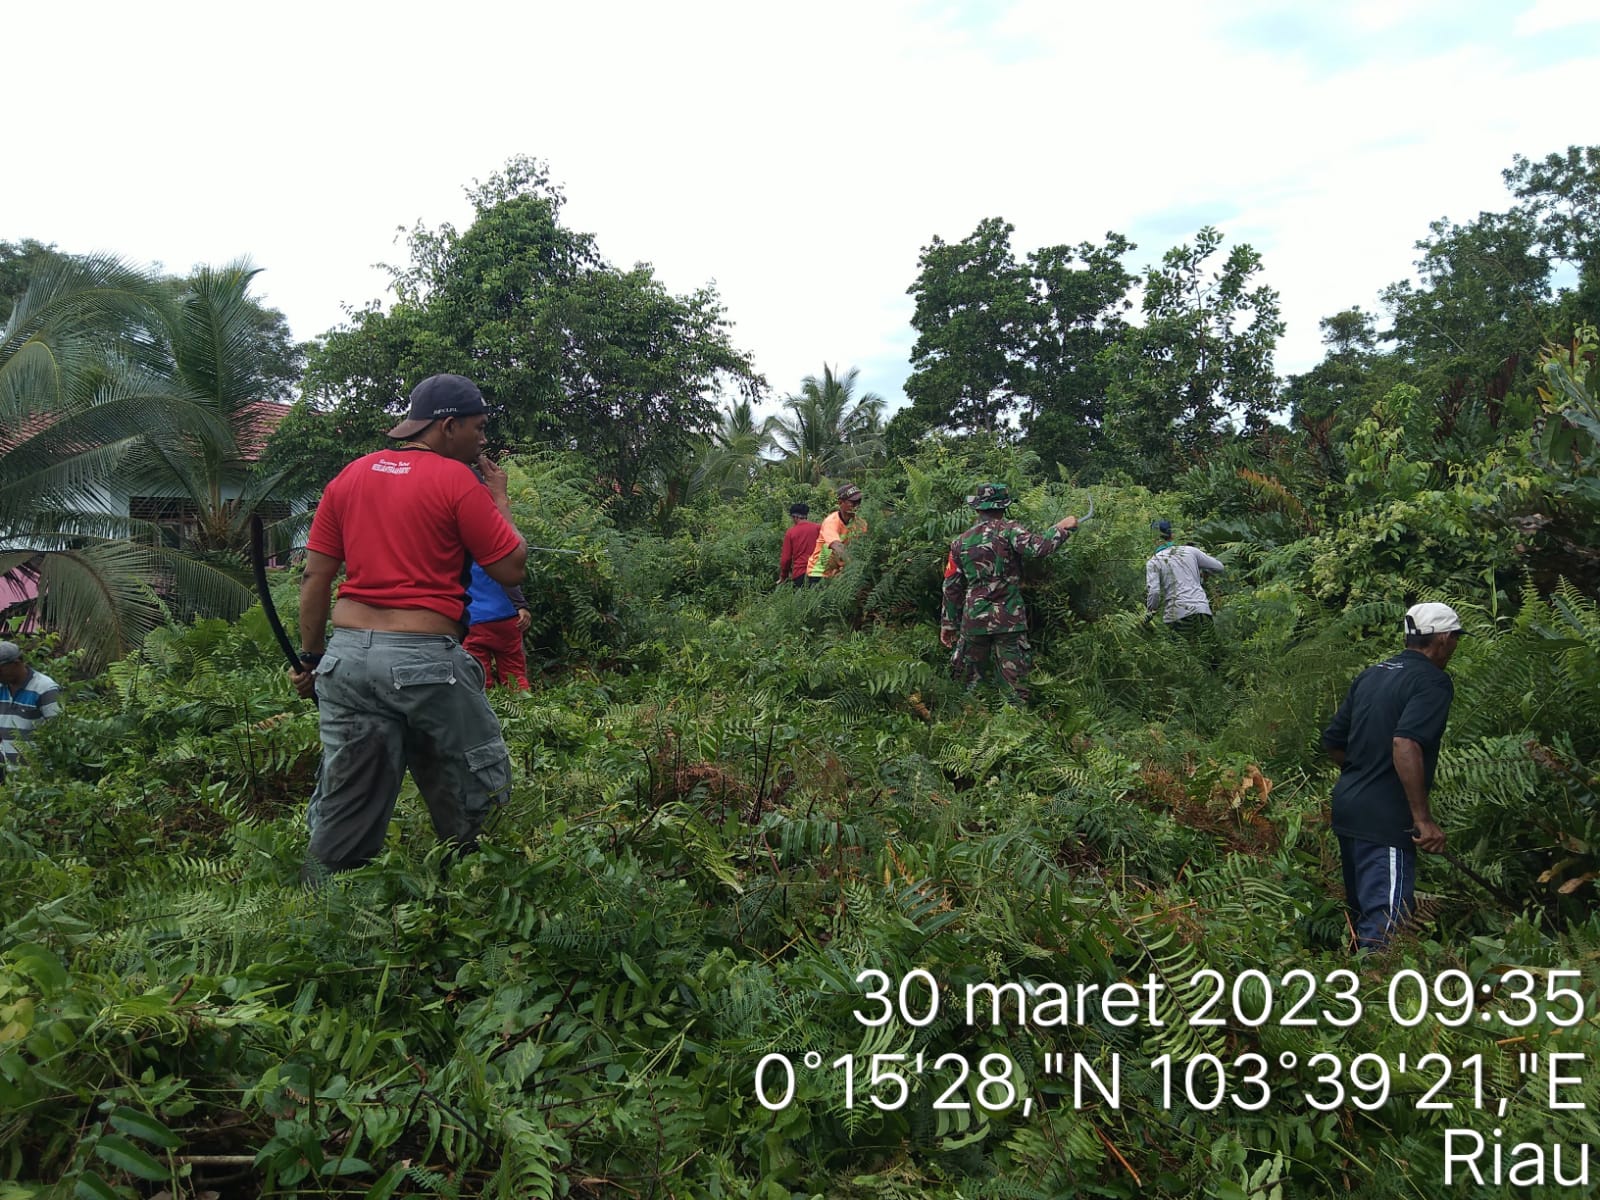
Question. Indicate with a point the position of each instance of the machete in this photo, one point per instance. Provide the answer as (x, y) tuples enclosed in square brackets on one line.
[(258, 562), (1498, 893)]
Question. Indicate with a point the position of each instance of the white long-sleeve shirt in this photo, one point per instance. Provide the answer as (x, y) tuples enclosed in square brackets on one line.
[(1172, 575)]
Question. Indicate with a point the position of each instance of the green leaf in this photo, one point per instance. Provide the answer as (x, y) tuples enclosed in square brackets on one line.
[(125, 1156), (632, 971), (144, 1127), (91, 1187), (39, 965), (345, 1166), (385, 1186)]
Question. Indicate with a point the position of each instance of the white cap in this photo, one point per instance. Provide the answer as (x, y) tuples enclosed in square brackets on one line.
[(1432, 618)]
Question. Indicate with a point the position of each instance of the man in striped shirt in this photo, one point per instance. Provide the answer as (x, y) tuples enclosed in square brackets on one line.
[(26, 698)]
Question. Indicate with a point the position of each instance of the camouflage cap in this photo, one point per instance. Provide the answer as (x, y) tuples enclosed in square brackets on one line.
[(990, 495)]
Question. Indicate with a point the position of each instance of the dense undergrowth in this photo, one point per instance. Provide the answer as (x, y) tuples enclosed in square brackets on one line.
[(731, 802)]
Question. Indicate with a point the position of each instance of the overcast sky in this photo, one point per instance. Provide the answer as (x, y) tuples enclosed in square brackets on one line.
[(798, 158)]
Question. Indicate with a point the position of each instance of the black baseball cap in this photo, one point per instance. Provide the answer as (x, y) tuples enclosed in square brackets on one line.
[(437, 397)]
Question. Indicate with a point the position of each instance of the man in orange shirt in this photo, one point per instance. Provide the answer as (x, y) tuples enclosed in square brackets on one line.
[(839, 529)]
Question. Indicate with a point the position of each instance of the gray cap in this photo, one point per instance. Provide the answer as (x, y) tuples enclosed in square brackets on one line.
[(437, 397), (10, 652)]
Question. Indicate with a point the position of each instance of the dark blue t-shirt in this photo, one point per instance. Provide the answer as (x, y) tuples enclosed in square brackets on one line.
[(1404, 696)]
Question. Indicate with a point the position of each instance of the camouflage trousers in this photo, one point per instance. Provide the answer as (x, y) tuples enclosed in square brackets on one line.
[(1012, 654)]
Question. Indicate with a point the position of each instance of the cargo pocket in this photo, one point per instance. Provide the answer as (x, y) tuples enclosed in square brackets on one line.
[(473, 669), (490, 765), (321, 688), (422, 674)]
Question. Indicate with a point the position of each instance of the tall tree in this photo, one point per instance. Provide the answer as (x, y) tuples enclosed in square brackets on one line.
[(75, 401), (573, 351), (829, 431), (1472, 326), (1005, 344), (737, 447), (641, 372), (18, 261), (1199, 365), (353, 380), (1560, 193), (1335, 389), (1078, 297), (974, 316), (228, 355)]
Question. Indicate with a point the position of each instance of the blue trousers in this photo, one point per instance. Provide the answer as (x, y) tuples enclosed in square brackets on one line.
[(1379, 888)]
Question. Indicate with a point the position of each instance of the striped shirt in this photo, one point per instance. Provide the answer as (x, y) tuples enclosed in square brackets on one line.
[(37, 700)]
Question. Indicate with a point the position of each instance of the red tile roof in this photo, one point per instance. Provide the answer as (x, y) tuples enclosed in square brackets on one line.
[(16, 588), (254, 426), (32, 425)]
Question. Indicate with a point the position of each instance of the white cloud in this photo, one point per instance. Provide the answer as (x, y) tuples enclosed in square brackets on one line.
[(1549, 16), (800, 157)]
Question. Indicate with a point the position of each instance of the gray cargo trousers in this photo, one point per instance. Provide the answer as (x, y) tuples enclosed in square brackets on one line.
[(392, 701)]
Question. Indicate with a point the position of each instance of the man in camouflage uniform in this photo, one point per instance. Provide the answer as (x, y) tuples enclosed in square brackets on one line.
[(983, 591)]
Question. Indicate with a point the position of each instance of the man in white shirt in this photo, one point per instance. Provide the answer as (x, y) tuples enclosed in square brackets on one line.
[(26, 698), (1173, 582)]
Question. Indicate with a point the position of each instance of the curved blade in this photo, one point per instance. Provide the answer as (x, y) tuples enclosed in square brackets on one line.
[(258, 563)]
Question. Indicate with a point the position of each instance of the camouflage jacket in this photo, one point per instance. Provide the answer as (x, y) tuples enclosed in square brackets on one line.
[(983, 577)]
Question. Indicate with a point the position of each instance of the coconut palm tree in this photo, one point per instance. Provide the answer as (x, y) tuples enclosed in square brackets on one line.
[(829, 432), (736, 449), (78, 397), (217, 358)]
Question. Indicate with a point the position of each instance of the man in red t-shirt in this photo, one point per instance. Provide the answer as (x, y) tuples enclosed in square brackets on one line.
[(396, 690), (798, 543)]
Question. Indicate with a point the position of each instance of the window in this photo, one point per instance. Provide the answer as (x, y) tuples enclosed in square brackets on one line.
[(177, 516)]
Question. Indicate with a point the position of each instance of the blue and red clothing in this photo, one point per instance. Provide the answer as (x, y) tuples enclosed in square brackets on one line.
[(492, 634)]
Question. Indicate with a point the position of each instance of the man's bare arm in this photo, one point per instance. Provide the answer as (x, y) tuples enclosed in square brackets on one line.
[(1408, 764), (316, 600), (510, 569)]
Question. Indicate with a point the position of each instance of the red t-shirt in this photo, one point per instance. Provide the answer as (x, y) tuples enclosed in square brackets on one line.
[(797, 546), (407, 524)]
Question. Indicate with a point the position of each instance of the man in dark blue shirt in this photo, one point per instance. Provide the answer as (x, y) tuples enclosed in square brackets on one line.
[(1385, 738)]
